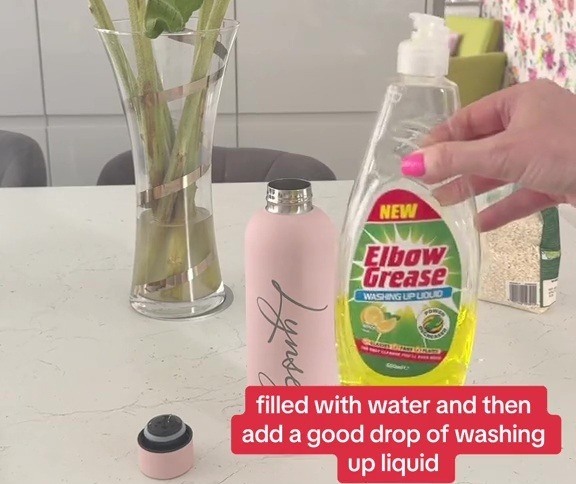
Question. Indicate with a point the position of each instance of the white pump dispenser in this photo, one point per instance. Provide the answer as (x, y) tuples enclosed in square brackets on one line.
[(427, 52)]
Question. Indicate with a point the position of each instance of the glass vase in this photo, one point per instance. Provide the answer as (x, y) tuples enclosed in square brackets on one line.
[(170, 88)]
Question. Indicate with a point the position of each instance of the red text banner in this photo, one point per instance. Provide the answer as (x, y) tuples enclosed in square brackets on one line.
[(396, 434)]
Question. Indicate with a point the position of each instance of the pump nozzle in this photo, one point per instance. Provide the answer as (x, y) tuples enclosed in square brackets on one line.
[(430, 25), (427, 52)]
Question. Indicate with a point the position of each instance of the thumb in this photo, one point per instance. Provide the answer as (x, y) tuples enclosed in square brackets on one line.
[(489, 157)]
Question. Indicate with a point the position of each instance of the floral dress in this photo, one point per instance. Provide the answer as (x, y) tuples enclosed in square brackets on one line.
[(539, 38)]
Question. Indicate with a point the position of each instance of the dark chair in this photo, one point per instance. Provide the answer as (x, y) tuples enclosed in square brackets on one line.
[(22, 162), (234, 165)]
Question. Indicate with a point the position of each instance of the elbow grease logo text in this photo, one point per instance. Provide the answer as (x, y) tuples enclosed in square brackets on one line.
[(283, 327)]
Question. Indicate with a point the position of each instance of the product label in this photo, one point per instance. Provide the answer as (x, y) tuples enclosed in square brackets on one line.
[(549, 292), (404, 293)]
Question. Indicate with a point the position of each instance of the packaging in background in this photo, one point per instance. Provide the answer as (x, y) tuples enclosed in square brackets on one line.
[(521, 261)]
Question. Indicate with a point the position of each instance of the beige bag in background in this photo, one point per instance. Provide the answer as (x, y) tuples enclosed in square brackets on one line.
[(520, 261)]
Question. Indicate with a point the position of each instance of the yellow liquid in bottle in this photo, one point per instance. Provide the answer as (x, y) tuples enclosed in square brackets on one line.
[(450, 372)]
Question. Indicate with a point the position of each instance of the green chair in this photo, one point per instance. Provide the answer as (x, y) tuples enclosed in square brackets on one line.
[(479, 35), (478, 68)]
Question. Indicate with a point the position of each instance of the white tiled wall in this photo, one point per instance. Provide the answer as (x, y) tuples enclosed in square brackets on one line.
[(78, 79), (310, 76), (335, 56), (338, 139), (20, 80), (312, 84), (466, 8)]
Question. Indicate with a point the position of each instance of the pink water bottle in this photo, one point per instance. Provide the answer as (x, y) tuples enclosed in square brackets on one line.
[(290, 268)]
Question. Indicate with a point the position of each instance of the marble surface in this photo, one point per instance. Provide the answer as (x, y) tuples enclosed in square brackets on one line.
[(81, 373)]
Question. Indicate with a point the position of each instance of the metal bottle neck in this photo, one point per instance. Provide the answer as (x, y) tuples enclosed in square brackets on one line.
[(289, 196)]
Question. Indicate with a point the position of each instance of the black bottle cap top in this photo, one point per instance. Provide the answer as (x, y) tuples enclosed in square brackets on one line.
[(165, 433)]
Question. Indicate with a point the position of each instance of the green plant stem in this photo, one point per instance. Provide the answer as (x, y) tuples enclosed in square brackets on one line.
[(203, 19), (159, 130), (156, 133), (187, 145), (194, 108), (104, 22), (185, 154), (205, 12)]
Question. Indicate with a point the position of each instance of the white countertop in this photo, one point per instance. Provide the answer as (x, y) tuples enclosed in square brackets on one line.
[(81, 373)]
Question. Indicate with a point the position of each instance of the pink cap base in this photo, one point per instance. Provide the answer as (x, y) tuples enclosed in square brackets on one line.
[(167, 465), (165, 448)]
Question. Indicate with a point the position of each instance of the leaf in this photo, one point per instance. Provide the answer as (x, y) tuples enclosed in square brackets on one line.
[(188, 7), (169, 15)]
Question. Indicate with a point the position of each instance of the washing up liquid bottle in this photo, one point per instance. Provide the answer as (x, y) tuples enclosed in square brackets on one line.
[(409, 266)]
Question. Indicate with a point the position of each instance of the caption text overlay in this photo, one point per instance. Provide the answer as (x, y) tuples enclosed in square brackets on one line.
[(396, 434)]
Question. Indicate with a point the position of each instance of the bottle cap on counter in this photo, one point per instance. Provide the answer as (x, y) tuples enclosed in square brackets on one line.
[(165, 448)]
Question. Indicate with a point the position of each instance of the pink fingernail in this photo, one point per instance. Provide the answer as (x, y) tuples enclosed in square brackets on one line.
[(413, 165)]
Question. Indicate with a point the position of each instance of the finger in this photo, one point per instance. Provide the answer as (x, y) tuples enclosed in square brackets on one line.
[(486, 158), (519, 204), (462, 188), (485, 117)]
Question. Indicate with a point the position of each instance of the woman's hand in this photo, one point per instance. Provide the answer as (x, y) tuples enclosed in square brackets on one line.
[(525, 134)]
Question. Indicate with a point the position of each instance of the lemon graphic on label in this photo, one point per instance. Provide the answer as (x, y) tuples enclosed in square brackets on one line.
[(386, 325), (372, 315), (382, 321)]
